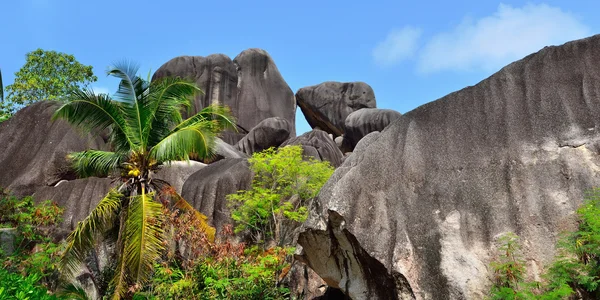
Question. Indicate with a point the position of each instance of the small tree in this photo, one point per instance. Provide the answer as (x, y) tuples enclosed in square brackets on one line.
[(48, 75), (276, 204)]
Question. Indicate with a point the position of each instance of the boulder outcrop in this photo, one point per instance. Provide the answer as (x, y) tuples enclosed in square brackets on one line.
[(364, 121), (262, 92), (33, 149), (250, 85), (177, 172), (514, 153), (270, 132), (327, 105), (318, 144), (78, 197), (207, 189)]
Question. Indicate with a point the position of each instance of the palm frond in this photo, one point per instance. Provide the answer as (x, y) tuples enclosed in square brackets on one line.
[(74, 291), (1, 88), (82, 239), (168, 192), (201, 219), (88, 111), (144, 236), (219, 115), (198, 138), (132, 92), (119, 281), (95, 162), (167, 98)]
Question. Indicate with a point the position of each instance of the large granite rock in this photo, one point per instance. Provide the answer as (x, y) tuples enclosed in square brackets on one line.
[(206, 189), (250, 85), (318, 144), (271, 132), (177, 172), (262, 91), (78, 197), (327, 105), (225, 150), (33, 149), (514, 153), (364, 121)]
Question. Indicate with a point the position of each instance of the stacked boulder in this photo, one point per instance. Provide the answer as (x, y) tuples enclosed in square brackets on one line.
[(346, 110)]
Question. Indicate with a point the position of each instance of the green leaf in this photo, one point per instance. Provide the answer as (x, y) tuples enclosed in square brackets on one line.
[(82, 239)]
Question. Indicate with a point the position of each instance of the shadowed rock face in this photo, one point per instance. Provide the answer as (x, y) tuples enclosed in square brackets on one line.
[(78, 197), (250, 85), (206, 189), (364, 121), (327, 105), (33, 149), (271, 132), (513, 153), (215, 74), (177, 172), (318, 144), (262, 91)]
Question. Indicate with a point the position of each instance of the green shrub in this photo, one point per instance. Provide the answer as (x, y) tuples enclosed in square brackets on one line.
[(35, 253), (16, 286), (284, 181), (225, 270), (574, 271)]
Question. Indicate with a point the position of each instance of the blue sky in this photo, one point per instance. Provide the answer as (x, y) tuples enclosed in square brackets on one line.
[(410, 53)]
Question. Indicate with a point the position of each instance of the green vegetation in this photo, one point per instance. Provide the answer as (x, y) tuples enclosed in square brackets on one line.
[(277, 202), (146, 130), (32, 267), (48, 75), (15, 286), (575, 271), (223, 270)]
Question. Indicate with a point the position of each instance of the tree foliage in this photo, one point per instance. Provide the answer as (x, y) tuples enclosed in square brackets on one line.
[(48, 75), (575, 272), (146, 130), (284, 181)]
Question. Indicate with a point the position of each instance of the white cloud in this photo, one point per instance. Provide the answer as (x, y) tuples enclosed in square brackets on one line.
[(494, 41), (100, 90), (399, 45)]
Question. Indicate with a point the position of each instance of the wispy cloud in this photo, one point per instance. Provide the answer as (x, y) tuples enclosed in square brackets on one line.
[(491, 42), (399, 45)]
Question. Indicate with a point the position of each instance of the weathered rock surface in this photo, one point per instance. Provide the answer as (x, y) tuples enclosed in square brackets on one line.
[(262, 91), (8, 238), (250, 85), (270, 132), (33, 149), (318, 144), (177, 172), (364, 121), (78, 197), (206, 189), (513, 153), (327, 105), (225, 150)]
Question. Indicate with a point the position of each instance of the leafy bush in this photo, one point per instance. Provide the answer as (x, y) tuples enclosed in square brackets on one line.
[(577, 267), (509, 271), (284, 181), (575, 272), (35, 254), (15, 286), (221, 270)]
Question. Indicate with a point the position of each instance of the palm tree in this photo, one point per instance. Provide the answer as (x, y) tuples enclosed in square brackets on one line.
[(146, 130)]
